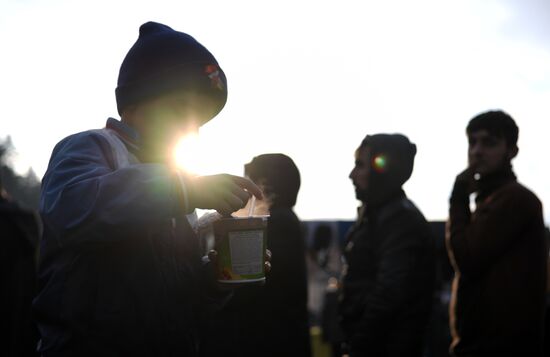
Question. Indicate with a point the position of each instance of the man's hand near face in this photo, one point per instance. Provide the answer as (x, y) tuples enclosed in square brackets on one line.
[(465, 185), (223, 193), (467, 178)]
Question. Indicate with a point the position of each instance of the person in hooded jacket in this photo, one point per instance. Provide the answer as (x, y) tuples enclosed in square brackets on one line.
[(389, 275), (270, 320), (121, 272)]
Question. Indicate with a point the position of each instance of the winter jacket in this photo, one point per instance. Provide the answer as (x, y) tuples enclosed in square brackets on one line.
[(120, 272), (388, 283), (499, 254)]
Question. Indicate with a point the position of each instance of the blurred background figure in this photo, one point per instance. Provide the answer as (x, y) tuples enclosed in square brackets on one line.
[(19, 232), (324, 267), (320, 247), (389, 277), (269, 320)]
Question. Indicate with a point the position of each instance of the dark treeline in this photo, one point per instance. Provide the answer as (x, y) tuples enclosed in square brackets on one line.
[(25, 190)]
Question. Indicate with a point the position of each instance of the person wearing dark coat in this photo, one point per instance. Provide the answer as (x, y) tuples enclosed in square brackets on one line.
[(389, 276), (121, 272), (270, 320), (19, 233), (499, 251)]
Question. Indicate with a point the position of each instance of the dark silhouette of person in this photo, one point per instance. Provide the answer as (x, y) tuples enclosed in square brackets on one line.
[(388, 280), (121, 272), (498, 251), (319, 250), (19, 233), (270, 320)]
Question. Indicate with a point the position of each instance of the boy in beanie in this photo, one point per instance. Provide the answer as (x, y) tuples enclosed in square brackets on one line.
[(121, 272), (389, 275), (498, 251)]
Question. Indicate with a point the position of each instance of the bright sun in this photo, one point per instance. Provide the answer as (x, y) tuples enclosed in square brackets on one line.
[(210, 152), (187, 154)]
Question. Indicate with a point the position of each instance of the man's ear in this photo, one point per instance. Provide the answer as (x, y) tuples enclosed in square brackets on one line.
[(127, 114), (513, 152)]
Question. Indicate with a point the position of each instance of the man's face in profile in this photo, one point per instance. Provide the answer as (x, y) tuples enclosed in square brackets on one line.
[(488, 153), (361, 172)]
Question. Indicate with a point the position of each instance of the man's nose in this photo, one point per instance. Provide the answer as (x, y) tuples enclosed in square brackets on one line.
[(476, 149)]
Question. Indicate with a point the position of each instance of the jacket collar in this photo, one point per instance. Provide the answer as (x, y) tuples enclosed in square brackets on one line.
[(129, 136), (491, 183), (385, 210)]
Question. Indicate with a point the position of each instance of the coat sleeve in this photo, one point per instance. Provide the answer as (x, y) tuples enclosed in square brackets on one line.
[(400, 278), (84, 200), (475, 243)]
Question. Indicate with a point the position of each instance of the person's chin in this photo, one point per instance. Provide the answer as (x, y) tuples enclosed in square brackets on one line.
[(482, 171), (359, 194)]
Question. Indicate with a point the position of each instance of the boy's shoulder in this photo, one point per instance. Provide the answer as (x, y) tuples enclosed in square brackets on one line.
[(93, 144), (92, 139), (84, 136)]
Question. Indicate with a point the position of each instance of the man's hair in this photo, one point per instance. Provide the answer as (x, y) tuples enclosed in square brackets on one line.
[(280, 176), (497, 123)]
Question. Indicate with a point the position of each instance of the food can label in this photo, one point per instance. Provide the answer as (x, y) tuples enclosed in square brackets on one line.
[(246, 249)]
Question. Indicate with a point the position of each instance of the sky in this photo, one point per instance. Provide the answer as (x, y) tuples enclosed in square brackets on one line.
[(306, 78)]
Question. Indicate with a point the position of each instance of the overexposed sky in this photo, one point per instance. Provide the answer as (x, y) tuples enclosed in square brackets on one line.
[(306, 78)]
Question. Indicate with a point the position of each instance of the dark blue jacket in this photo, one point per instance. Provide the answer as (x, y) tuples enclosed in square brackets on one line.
[(120, 271)]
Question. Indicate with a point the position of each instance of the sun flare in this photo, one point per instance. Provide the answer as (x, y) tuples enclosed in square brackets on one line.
[(187, 154), (213, 151)]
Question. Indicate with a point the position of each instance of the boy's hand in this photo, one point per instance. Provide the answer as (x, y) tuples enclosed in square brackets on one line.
[(267, 264), (224, 193)]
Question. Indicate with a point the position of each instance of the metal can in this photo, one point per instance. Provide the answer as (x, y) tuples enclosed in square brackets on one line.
[(241, 245)]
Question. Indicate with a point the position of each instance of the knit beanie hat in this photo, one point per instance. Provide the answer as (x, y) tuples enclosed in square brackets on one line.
[(280, 176), (163, 60)]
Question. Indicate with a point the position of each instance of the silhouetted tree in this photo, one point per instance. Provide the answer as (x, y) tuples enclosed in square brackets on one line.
[(25, 189)]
